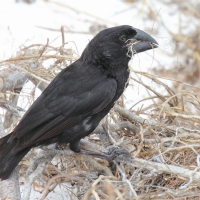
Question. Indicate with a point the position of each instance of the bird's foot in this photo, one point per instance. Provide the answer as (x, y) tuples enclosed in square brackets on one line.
[(112, 154)]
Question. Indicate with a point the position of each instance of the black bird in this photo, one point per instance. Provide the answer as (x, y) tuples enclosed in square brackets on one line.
[(74, 103)]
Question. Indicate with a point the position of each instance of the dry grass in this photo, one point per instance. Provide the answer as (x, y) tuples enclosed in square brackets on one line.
[(168, 135), (163, 137)]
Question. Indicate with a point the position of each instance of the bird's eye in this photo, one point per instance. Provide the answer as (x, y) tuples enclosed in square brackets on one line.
[(122, 38)]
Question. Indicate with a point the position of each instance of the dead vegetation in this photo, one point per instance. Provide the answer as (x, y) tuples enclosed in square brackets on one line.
[(162, 137), (164, 145)]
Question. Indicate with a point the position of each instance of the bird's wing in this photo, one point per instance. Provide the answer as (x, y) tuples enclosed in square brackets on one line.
[(63, 104)]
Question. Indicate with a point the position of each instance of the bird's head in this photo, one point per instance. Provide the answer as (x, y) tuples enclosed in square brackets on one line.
[(118, 44)]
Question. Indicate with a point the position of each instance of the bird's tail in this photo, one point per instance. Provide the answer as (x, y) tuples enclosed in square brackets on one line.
[(9, 160)]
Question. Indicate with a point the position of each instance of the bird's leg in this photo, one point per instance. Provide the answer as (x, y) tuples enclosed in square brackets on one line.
[(113, 155), (75, 146), (96, 154)]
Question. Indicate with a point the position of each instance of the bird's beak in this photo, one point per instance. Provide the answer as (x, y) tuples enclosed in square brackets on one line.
[(143, 42)]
